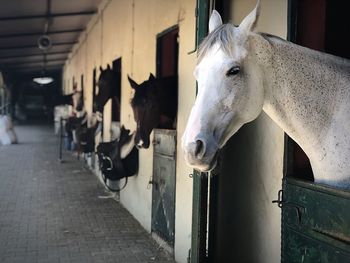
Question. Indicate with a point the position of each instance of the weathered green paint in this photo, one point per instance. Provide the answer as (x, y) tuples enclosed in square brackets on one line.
[(200, 180), (199, 213), (315, 223)]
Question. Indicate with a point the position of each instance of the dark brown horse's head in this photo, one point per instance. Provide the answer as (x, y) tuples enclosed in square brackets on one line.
[(106, 88), (146, 108)]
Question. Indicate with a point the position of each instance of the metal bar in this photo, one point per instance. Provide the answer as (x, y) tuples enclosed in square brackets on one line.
[(85, 13), (48, 8), (34, 61), (40, 33), (60, 140), (34, 46), (39, 54), (48, 20)]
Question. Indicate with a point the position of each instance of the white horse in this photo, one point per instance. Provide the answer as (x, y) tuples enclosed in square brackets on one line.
[(307, 93)]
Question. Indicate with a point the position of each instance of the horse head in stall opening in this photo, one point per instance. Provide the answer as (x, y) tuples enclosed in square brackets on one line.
[(154, 105), (74, 99), (107, 89), (306, 92), (81, 128)]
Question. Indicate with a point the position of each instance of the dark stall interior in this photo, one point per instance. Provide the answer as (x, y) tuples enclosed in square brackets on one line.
[(36, 38)]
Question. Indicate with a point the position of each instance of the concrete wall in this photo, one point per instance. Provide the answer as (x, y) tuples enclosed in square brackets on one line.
[(128, 29), (248, 224)]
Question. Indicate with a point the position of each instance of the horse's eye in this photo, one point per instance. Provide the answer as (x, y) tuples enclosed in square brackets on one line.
[(233, 71)]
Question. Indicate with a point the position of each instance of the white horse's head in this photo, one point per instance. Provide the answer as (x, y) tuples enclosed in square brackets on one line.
[(230, 92)]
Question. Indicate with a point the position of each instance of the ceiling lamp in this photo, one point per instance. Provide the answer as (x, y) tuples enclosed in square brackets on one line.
[(43, 80)]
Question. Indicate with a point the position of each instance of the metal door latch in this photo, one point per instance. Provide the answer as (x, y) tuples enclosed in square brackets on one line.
[(279, 200), (151, 182), (282, 204)]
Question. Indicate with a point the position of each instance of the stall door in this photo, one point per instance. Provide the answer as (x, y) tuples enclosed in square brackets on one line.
[(163, 191), (316, 223)]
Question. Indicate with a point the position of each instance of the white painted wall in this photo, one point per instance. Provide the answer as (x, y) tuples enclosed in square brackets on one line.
[(128, 29)]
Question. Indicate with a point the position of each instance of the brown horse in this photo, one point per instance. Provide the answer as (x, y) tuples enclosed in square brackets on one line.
[(154, 105), (107, 89)]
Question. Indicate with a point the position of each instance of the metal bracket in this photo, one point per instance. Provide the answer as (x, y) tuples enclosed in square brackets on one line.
[(283, 204), (279, 200)]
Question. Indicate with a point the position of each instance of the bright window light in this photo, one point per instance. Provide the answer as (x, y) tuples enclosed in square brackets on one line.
[(43, 80)]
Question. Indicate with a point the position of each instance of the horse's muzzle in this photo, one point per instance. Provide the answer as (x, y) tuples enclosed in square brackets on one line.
[(201, 155), (142, 141)]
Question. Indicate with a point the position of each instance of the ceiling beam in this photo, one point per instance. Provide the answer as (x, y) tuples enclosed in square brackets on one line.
[(84, 13), (78, 30), (33, 46), (33, 61), (34, 66), (36, 55), (37, 69)]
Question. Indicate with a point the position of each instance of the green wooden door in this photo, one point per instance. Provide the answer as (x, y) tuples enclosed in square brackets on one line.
[(315, 223), (200, 180)]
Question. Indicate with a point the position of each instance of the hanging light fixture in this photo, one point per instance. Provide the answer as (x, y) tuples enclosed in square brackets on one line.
[(44, 44), (43, 80)]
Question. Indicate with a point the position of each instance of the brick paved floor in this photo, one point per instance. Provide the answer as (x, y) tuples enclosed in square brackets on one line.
[(52, 212)]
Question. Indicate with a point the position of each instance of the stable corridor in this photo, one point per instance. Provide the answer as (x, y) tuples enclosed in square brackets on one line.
[(53, 212)]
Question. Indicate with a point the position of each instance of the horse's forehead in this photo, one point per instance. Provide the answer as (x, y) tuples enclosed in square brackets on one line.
[(215, 59)]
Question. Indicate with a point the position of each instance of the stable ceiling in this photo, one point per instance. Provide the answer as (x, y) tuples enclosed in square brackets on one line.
[(22, 22)]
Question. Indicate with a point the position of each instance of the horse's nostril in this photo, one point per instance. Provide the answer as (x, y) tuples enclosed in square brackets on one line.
[(200, 149)]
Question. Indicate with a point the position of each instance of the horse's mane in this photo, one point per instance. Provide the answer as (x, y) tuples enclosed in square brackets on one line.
[(223, 35), (270, 37)]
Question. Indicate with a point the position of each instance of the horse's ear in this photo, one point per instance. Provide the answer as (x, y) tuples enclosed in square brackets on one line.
[(101, 69), (249, 22), (108, 67), (133, 84), (215, 21), (151, 77)]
